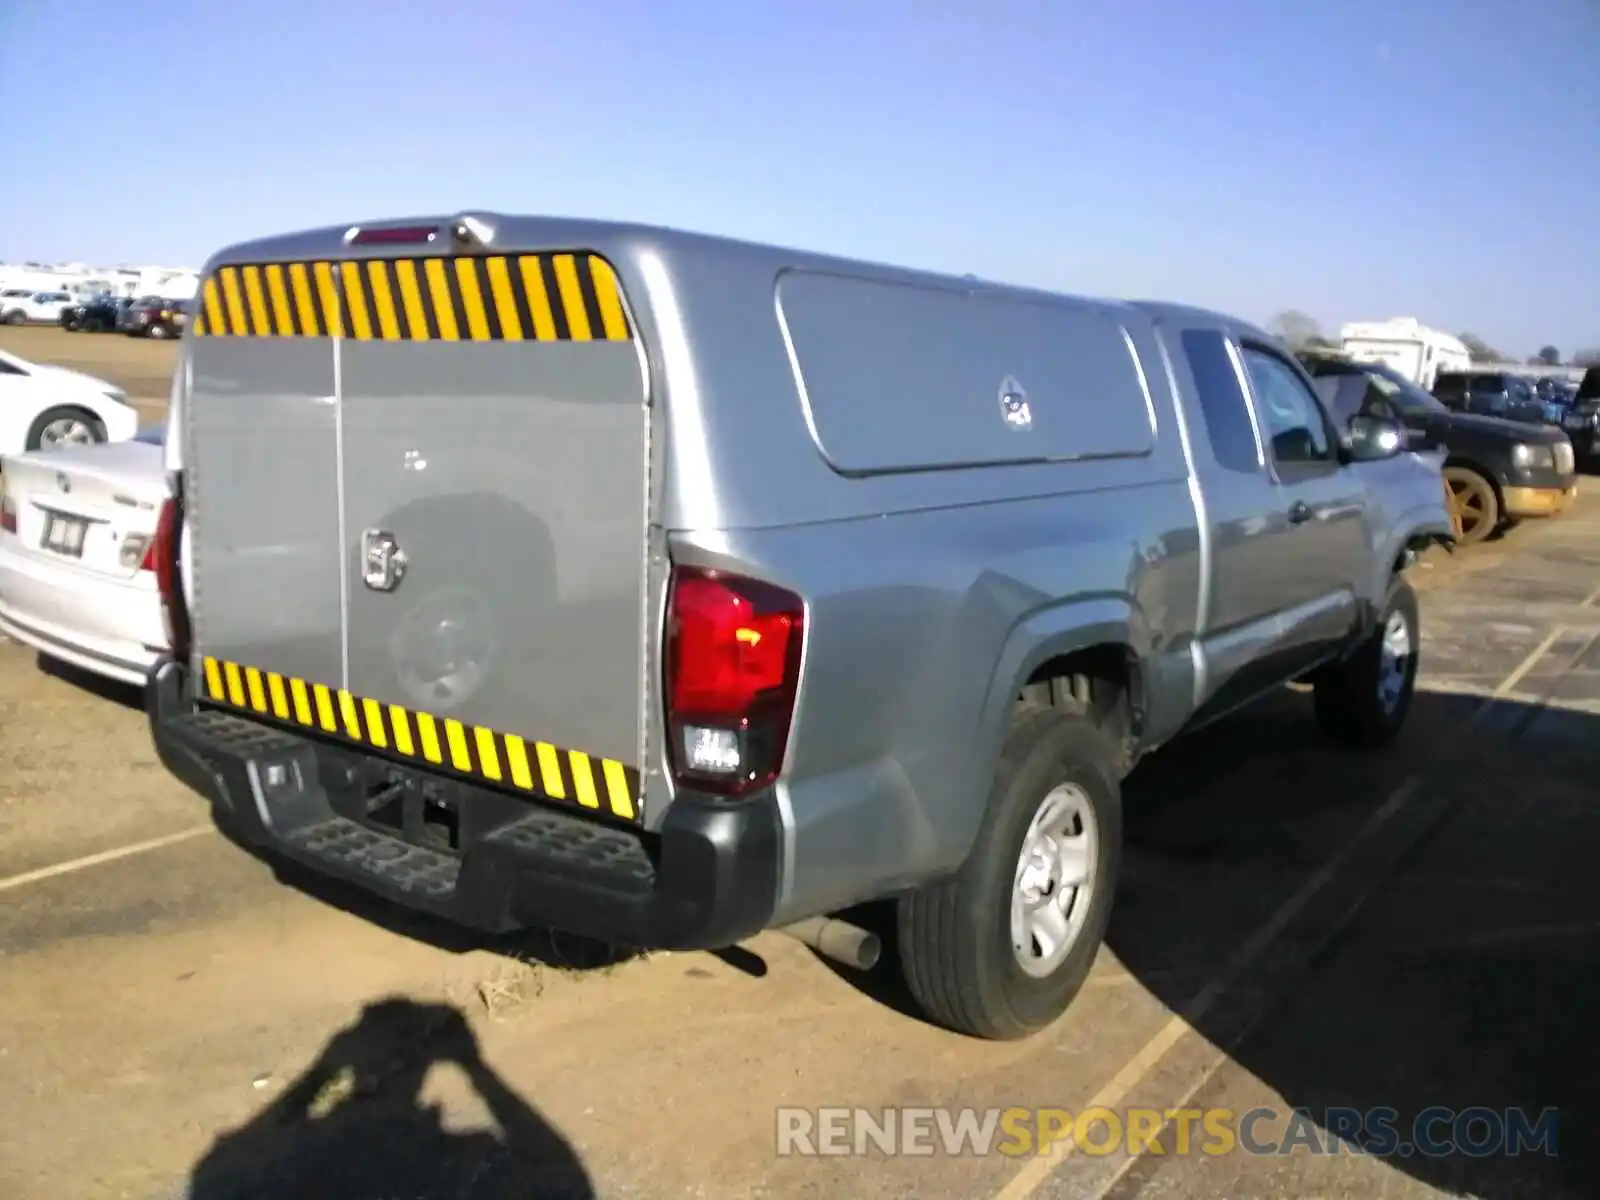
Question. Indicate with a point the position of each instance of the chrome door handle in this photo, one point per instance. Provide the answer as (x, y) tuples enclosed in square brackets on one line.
[(383, 563)]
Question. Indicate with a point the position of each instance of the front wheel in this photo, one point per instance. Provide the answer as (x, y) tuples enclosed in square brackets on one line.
[(1363, 701), (1001, 949), (1473, 503), (64, 426)]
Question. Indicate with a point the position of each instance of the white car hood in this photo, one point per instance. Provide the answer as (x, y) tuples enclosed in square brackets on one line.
[(67, 375)]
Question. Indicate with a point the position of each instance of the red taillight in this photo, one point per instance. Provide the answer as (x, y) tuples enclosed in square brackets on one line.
[(162, 558), (8, 513), (732, 671)]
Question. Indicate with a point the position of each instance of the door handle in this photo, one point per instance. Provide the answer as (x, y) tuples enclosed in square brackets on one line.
[(1299, 512)]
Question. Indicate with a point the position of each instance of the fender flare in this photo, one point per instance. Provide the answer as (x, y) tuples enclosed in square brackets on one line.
[(1422, 523), (1073, 625)]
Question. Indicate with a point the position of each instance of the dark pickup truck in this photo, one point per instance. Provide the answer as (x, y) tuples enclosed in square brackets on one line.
[(98, 314), (1581, 420), (1499, 471), (1490, 394)]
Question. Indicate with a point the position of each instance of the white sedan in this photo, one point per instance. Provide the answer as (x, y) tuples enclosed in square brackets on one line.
[(43, 407), (77, 554)]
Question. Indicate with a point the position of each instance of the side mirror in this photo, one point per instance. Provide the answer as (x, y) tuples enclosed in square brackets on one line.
[(1368, 439)]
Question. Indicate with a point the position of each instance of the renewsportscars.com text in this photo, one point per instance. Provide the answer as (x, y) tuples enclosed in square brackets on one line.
[(1435, 1132)]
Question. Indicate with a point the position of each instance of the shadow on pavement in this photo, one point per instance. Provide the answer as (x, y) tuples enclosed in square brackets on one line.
[(96, 685), (355, 1125), (1466, 981)]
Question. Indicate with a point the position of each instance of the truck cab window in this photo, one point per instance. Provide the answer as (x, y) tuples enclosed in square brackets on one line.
[(1223, 403), (1297, 429)]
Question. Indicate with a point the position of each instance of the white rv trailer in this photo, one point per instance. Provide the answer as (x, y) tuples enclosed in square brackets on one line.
[(1406, 345)]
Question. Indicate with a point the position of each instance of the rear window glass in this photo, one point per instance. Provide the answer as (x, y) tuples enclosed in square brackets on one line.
[(1222, 402)]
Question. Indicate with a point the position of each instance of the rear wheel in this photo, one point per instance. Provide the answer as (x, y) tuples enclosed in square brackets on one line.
[(1001, 949), (1473, 502), (1363, 701), (65, 426)]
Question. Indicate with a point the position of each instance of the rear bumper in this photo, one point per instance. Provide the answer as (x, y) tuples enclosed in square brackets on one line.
[(1539, 501), (708, 878), (103, 626)]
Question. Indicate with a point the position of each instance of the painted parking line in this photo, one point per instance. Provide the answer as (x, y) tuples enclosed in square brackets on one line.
[(1037, 1171), (105, 856)]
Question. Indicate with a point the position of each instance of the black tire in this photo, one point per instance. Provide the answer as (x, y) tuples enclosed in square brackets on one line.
[(955, 936), (1479, 503), (15, 318), (1348, 705), (62, 412)]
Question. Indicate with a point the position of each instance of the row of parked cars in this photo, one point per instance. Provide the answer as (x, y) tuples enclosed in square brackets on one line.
[(995, 548), (137, 316)]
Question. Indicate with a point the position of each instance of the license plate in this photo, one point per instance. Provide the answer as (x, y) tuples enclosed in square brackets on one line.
[(64, 535)]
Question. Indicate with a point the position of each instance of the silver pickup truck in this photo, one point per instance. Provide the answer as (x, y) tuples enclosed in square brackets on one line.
[(666, 589)]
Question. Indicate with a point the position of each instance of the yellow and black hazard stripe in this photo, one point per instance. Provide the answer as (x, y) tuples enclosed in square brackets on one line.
[(479, 298), (481, 754)]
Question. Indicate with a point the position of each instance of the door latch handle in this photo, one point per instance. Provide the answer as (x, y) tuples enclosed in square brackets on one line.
[(1299, 512), (383, 563)]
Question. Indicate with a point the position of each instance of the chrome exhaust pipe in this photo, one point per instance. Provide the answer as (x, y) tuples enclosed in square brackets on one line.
[(838, 941)]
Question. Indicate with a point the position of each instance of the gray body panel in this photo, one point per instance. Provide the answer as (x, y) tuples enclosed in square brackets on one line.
[(512, 477), (261, 458), (943, 554)]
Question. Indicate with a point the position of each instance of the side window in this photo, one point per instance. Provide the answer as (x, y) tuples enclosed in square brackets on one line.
[(1296, 427), (1342, 393), (1222, 402), (1347, 394), (7, 369)]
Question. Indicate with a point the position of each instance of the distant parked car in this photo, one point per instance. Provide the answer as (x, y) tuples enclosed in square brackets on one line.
[(39, 308), (9, 299), (1490, 394), (43, 406), (99, 314), (1498, 471), (1582, 420), (156, 317), (78, 551)]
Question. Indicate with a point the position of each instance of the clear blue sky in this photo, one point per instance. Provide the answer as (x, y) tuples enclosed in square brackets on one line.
[(1356, 159)]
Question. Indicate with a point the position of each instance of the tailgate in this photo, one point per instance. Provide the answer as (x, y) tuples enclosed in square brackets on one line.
[(421, 484)]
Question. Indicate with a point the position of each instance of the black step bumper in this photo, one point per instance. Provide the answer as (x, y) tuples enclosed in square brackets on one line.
[(707, 878)]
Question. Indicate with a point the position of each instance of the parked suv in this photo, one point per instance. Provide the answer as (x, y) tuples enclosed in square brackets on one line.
[(693, 588), (1499, 471), (1491, 393), (42, 308), (155, 317)]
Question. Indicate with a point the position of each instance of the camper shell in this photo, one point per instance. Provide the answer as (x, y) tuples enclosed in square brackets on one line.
[(668, 588)]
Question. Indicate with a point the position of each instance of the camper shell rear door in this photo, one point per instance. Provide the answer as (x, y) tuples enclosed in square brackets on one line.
[(445, 483)]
